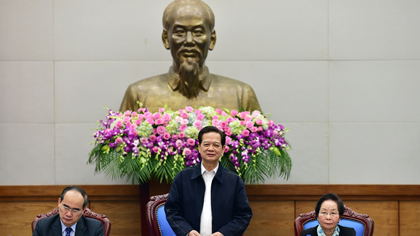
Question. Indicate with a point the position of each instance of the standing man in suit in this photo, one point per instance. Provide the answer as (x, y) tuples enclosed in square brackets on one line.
[(70, 220), (207, 199)]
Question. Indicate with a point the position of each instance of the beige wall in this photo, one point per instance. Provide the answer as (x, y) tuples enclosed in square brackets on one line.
[(342, 75)]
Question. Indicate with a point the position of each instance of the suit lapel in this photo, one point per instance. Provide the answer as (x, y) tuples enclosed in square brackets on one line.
[(81, 227), (56, 227)]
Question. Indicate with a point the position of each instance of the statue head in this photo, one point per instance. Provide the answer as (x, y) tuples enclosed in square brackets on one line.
[(188, 32)]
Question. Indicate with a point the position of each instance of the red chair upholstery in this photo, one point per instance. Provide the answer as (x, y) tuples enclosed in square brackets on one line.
[(349, 215), (87, 213)]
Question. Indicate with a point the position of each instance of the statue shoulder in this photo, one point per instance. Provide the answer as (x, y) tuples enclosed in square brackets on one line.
[(151, 81), (219, 79)]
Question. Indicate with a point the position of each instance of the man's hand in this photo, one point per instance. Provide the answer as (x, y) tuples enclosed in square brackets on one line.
[(193, 233), (217, 234)]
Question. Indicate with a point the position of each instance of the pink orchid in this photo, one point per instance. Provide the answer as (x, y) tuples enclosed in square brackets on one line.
[(119, 124), (191, 142), (126, 119), (179, 143), (166, 117), (197, 124), (159, 121), (215, 122), (152, 138), (228, 140), (187, 151), (147, 114), (161, 130), (200, 116), (178, 119), (182, 128), (189, 109), (184, 115), (249, 124), (156, 115), (118, 140), (256, 113), (167, 136), (150, 121)]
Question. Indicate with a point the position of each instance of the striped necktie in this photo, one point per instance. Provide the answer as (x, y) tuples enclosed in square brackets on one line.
[(68, 230)]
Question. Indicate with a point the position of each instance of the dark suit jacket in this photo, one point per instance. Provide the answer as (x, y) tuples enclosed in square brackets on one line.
[(51, 226), (344, 231), (229, 203)]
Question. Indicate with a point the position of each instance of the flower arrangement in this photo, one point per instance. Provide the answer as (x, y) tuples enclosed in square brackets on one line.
[(141, 145)]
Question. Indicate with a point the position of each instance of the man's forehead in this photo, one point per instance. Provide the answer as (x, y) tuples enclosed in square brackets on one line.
[(72, 196), (193, 12), (212, 137)]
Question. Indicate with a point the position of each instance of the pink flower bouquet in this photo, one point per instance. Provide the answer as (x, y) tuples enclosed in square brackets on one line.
[(143, 145)]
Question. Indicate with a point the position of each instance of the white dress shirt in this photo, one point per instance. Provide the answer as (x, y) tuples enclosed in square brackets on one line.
[(206, 215)]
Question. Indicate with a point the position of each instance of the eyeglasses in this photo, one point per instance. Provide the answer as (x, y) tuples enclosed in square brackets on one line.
[(325, 214), (74, 210)]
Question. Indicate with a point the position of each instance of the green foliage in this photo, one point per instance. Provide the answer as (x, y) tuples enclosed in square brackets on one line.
[(267, 164)]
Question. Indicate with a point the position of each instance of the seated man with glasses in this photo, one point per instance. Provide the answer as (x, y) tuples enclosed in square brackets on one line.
[(70, 221)]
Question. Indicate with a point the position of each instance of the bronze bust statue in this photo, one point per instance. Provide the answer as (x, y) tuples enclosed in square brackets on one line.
[(189, 34)]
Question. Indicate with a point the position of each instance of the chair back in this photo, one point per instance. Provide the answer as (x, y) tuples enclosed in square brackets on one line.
[(87, 213), (156, 217), (361, 223)]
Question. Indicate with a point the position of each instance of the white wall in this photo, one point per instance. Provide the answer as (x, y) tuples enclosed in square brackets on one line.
[(342, 75)]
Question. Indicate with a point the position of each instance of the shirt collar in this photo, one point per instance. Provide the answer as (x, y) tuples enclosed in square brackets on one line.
[(63, 227), (321, 232), (203, 169), (174, 80)]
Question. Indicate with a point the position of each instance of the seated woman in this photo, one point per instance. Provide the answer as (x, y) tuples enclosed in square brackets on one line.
[(329, 210)]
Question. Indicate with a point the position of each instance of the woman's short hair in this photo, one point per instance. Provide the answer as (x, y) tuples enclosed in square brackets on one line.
[(332, 197)]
